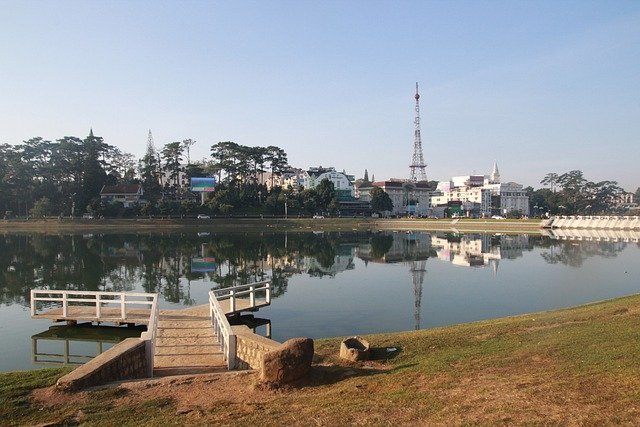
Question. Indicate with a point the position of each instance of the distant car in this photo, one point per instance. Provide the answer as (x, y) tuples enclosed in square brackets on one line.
[(203, 216), (497, 217), (318, 217), (87, 216)]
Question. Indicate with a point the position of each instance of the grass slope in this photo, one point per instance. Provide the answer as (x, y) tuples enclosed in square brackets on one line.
[(574, 366)]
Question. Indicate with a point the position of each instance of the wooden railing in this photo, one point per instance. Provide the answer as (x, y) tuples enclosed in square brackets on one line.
[(220, 323), (222, 331), (149, 336), (104, 307), (67, 300), (250, 289)]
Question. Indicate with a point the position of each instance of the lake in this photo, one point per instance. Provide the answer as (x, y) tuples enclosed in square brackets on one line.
[(324, 284)]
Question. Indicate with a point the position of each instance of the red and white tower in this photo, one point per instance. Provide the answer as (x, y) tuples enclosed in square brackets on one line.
[(418, 167)]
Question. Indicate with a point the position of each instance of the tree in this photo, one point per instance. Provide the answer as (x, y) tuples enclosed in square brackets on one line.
[(380, 200), (41, 208), (326, 194), (93, 174), (172, 156), (550, 180)]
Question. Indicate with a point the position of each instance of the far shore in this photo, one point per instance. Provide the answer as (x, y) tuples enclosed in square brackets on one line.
[(69, 225)]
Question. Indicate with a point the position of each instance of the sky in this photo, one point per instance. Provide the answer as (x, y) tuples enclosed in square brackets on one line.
[(537, 86)]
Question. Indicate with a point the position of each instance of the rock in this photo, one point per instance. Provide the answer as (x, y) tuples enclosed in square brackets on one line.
[(289, 362), (354, 349)]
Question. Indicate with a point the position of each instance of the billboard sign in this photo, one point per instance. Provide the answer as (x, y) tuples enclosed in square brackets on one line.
[(203, 185), (203, 265)]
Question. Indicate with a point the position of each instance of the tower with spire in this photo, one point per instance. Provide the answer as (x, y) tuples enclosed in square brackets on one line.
[(417, 167), (495, 175)]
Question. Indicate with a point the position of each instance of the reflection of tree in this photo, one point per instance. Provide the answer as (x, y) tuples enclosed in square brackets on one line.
[(574, 254), (380, 245), (162, 262)]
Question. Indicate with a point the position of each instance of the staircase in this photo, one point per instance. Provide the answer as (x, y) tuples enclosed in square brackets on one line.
[(185, 343)]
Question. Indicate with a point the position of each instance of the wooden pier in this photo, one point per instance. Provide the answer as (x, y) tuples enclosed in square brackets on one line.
[(190, 340)]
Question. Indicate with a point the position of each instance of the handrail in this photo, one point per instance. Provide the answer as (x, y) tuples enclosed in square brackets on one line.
[(220, 323), (222, 331), (240, 290), (99, 299), (149, 336)]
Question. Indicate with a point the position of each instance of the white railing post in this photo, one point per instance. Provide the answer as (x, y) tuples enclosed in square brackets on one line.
[(33, 303), (98, 311), (252, 296), (64, 304), (267, 297), (123, 310), (232, 300), (231, 359)]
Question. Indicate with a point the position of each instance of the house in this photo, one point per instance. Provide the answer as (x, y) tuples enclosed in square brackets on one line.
[(127, 194)]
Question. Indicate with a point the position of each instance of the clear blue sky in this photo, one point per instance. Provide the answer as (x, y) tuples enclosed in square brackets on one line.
[(539, 86)]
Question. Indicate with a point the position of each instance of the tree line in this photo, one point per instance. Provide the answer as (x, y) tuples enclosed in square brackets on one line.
[(64, 177), (572, 193)]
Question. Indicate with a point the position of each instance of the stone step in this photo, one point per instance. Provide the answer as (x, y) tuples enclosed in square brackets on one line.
[(175, 332), (168, 350), (167, 372), (190, 341), (188, 360)]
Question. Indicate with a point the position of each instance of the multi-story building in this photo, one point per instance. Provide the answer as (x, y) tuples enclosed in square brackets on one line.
[(342, 183), (413, 198), (480, 195)]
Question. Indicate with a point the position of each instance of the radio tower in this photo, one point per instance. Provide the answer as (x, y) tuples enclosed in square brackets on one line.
[(418, 168)]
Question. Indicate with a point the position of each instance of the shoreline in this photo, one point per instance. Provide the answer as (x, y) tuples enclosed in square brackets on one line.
[(564, 366), (271, 224)]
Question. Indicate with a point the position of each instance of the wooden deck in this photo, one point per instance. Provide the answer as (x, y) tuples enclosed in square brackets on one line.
[(139, 316), (183, 340)]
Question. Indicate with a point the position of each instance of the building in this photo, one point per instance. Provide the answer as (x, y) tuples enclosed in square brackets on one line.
[(127, 194), (342, 183), (481, 195), (408, 198)]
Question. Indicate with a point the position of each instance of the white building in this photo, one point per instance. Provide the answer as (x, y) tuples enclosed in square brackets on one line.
[(407, 197), (480, 195), (342, 183)]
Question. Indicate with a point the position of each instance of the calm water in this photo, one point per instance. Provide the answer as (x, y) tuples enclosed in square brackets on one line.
[(331, 284)]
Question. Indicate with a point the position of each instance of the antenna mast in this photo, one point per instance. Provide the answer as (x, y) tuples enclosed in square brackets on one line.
[(418, 167)]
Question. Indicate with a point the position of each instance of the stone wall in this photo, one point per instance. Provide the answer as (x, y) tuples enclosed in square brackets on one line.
[(126, 360), (250, 348)]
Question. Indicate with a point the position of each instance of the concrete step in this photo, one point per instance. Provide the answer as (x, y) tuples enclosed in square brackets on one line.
[(169, 350), (179, 333), (169, 372), (190, 341), (187, 360)]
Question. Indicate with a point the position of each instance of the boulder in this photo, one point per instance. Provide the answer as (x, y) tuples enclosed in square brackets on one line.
[(288, 363), (354, 349)]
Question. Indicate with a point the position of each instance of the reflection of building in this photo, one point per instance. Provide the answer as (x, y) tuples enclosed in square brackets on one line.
[(478, 250), (404, 247), (342, 261)]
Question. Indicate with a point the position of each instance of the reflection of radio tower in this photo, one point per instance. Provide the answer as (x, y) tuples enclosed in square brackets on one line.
[(417, 277)]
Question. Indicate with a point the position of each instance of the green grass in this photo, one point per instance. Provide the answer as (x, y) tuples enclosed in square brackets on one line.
[(570, 366)]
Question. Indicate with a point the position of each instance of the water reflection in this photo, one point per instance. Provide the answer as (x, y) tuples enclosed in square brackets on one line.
[(63, 345), (168, 263)]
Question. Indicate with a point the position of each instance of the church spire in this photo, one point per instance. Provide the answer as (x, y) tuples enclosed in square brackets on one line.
[(366, 176), (495, 174)]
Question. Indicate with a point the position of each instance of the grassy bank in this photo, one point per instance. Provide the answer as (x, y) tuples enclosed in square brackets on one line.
[(574, 366), (268, 224)]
